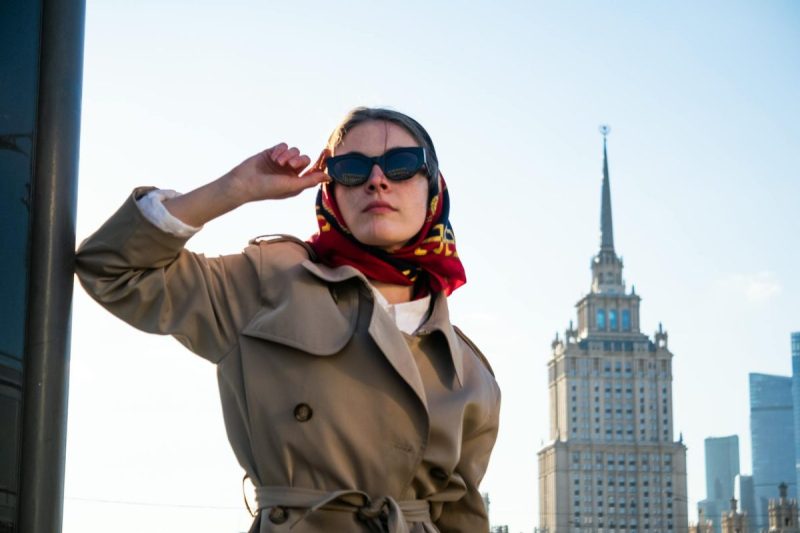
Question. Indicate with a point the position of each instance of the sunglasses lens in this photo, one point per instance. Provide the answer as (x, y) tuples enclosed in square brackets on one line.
[(354, 169), (350, 170), (402, 165)]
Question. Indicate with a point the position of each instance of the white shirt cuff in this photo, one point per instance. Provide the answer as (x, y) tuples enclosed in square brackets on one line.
[(152, 207)]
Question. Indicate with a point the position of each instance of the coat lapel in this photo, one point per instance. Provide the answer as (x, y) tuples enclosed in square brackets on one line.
[(440, 321), (384, 332), (382, 329)]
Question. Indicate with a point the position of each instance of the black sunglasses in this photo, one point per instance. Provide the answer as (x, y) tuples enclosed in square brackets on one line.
[(397, 164)]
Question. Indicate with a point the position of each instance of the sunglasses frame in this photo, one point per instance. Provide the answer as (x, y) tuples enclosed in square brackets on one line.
[(380, 160)]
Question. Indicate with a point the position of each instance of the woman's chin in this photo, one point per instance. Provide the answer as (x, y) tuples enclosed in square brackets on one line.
[(388, 243)]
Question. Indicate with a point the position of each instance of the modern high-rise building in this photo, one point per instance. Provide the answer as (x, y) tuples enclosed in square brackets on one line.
[(796, 402), (722, 467), (745, 494), (613, 464), (772, 434)]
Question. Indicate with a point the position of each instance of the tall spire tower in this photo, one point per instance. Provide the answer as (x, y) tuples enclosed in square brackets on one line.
[(606, 265), (612, 465), (606, 226)]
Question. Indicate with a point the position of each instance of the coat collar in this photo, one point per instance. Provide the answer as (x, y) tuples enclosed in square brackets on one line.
[(439, 319)]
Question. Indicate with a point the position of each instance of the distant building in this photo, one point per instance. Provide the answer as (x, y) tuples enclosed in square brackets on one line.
[(783, 513), (722, 467), (745, 493), (772, 433), (486, 503), (712, 511), (702, 525), (796, 401), (612, 464), (733, 521)]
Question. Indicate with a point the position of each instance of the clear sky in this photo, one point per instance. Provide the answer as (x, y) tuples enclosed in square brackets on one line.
[(703, 99)]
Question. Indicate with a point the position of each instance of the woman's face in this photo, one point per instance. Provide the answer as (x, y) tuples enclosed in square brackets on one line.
[(381, 212)]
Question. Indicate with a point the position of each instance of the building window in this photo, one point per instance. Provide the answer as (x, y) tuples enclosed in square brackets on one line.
[(626, 320), (601, 319), (612, 319)]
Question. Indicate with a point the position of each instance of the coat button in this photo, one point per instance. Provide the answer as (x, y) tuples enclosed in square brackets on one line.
[(438, 473), (278, 515), (302, 412)]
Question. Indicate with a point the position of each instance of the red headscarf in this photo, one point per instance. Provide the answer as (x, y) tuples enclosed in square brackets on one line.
[(429, 260)]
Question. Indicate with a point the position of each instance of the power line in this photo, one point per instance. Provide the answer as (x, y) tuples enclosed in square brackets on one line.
[(157, 504)]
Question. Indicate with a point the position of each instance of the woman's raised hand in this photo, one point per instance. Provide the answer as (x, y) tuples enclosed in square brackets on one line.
[(275, 173), (269, 175)]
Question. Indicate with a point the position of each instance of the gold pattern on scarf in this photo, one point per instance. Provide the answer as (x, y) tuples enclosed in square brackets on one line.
[(444, 237), (432, 208), (323, 224)]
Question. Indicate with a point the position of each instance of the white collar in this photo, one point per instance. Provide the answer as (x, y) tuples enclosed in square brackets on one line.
[(408, 316)]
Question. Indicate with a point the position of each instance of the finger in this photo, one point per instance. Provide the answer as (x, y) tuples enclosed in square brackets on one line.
[(297, 185), (311, 178), (276, 151), (287, 155), (300, 161)]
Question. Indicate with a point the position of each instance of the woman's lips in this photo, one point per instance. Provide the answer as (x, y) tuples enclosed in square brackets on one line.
[(378, 207)]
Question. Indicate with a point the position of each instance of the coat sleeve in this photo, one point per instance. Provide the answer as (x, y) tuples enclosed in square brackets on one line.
[(468, 514), (145, 277)]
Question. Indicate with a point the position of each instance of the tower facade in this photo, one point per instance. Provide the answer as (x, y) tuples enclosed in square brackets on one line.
[(783, 513), (612, 464), (733, 521), (772, 434)]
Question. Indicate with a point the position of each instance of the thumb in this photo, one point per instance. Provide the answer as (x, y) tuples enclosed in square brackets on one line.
[(310, 178)]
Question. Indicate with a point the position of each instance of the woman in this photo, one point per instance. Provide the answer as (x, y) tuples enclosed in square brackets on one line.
[(349, 399)]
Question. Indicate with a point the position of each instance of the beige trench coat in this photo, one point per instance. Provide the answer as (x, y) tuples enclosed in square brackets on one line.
[(342, 422)]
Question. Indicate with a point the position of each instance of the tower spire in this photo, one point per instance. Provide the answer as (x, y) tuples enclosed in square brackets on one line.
[(606, 224), (606, 265)]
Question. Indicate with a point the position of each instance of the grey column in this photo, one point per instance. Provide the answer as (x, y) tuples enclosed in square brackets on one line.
[(53, 208)]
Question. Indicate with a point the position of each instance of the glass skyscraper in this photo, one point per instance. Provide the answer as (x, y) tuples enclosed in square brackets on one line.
[(772, 434), (796, 400), (722, 467), (743, 491)]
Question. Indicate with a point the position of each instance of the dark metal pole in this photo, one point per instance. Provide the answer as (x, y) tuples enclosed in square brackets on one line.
[(53, 211)]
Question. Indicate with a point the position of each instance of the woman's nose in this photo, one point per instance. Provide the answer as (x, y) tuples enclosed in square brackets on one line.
[(377, 179)]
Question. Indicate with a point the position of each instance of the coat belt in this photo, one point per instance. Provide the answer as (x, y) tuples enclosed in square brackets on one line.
[(382, 515)]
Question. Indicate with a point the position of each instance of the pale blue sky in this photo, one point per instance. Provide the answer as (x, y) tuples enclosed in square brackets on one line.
[(705, 175)]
